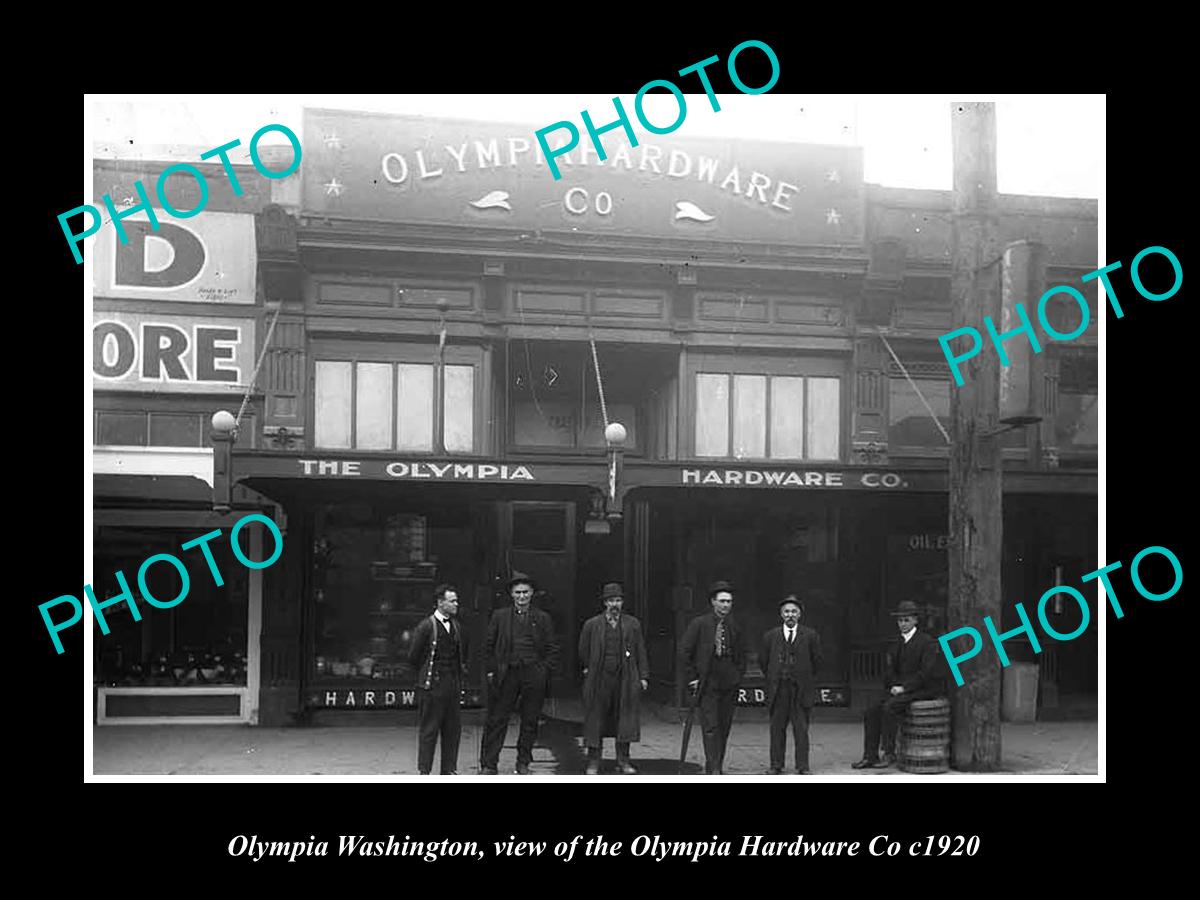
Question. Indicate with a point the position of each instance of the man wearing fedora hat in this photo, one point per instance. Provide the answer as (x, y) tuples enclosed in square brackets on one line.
[(519, 654), (914, 673), (613, 655), (712, 655), (791, 655)]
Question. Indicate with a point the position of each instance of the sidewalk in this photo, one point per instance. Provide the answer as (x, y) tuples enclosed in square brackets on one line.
[(389, 748)]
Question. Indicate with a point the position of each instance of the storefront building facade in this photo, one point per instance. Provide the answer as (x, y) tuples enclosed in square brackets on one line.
[(458, 328), (177, 322)]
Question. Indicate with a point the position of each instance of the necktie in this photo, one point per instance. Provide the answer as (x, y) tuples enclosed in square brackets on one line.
[(791, 635), (719, 639)]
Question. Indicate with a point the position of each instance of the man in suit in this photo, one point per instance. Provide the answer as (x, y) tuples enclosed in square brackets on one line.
[(914, 673), (439, 657), (613, 655), (520, 654), (791, 656), (712, 655)]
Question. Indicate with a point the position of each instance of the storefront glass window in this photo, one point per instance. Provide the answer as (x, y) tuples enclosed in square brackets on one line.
[(712, 415), (824, 403), (749, 416), (1077, 425), (414, 408), (362, 393), (593, 431), (909, 422), (373, 407), (333, 404), (373, 583), (459, 409), (787, 418), (201, 641), (804, 420), (550, 423)]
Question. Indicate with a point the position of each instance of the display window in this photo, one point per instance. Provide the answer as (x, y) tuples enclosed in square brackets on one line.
[(374, 569), (201, 641)]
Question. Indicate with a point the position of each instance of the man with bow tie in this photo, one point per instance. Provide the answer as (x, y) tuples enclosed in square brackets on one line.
[(615, 668), (439, 657), (791, 656)]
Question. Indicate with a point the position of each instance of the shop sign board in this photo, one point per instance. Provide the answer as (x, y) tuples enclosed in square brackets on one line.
[(486, 174)]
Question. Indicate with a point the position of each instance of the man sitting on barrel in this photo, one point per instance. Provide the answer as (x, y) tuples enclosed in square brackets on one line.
[(914, 673)]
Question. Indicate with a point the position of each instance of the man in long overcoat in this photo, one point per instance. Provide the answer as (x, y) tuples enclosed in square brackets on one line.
[(791, 656), (615, 670)]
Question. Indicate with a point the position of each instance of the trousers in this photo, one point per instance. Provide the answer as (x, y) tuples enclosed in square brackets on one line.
[(880, 721), (523, 688), (716, 721), (438, 716), (787, 708)]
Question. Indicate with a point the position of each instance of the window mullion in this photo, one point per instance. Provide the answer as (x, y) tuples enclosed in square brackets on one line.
[(395, 405), (354, 404), (770, 379)]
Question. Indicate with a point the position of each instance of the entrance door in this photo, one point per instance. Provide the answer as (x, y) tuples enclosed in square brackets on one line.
[(543, 546)]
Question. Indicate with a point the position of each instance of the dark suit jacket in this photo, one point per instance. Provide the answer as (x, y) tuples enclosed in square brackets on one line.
[(808, 661), (696, 648), (497, 648), (917, 666), (422, 647)]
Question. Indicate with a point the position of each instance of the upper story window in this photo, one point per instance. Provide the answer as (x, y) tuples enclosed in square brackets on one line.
[(791, 413), (365, 401), (909, 421), (1076, 423), (555, 403)]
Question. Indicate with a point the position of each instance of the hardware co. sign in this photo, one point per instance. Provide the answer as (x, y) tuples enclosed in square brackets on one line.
[(408, 169)]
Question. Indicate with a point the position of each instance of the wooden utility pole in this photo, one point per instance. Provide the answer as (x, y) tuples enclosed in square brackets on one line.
[(976, 516)]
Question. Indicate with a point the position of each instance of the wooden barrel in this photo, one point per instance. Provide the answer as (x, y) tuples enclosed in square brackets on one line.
[(925, 737)]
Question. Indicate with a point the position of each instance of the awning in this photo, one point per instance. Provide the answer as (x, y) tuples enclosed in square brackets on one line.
[(152, 489)]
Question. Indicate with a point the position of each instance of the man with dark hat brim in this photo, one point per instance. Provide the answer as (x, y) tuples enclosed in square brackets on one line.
[(519, 656), (791, 657), (712, 656), (612, 653), (914, 673)]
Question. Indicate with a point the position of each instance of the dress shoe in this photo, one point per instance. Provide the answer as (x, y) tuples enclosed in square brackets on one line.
[(625, 767), (774, 770), (888, 760), (522, 769), (805, 770), (422, 771), (449, 773), (487, 770), (867, 762), (593, 767)]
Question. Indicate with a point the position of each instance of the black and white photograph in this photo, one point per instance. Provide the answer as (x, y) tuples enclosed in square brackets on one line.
[(697, 435)]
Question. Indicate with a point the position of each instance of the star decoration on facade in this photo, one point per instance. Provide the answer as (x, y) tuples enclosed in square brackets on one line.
[(333, 188), (833, 176), (332, 140), (832, 217)]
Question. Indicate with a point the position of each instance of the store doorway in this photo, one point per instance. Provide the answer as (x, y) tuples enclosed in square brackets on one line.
[(543, 546)]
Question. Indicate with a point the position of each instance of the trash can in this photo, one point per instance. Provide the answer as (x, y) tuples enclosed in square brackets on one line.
[(1019, 693)]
